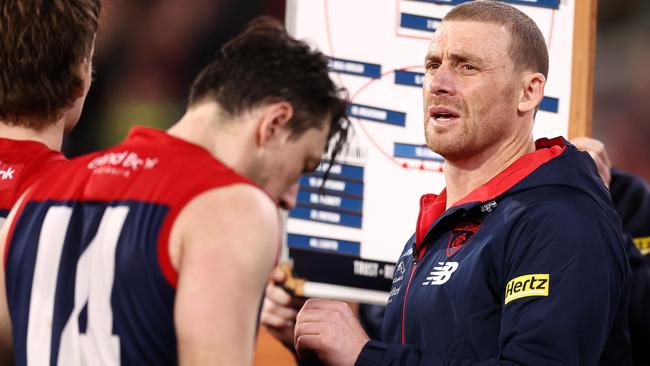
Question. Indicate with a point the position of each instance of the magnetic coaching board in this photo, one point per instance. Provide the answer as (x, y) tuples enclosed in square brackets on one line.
[(343, 241)]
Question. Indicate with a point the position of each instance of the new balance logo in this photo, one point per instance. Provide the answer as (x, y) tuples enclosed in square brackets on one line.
[(441, 273), (7, 173)]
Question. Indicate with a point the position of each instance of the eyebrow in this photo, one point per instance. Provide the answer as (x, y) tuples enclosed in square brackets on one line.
[(455, 56)]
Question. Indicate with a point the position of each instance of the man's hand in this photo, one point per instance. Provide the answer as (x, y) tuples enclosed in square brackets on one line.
[(331, 331), (279, 309), (596, 149)]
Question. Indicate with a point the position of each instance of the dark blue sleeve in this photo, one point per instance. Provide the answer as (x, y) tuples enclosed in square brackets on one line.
[(631, 198), (639, 302), (582, 320)]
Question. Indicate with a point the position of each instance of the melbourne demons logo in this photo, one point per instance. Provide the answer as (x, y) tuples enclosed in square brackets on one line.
[(460, 235)]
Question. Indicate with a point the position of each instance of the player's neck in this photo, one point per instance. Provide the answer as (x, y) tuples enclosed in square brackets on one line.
[(50, 135), (465, 175), (221, 139)]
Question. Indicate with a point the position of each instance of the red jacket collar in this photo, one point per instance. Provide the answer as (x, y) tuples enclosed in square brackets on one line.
[(433, 206)]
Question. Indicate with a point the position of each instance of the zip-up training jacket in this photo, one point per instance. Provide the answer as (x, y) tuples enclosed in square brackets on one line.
[(528, 269)]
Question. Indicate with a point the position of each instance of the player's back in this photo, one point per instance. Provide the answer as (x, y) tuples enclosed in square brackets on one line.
[(21, 162), (89, 279)]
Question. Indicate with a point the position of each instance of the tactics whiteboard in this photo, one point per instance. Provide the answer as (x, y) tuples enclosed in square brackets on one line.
[(343, 241)]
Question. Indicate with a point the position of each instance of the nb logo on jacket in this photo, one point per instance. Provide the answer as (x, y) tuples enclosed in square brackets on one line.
[(441, 273)]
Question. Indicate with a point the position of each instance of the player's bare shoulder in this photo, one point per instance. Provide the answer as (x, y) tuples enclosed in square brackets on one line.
[(240, 215)]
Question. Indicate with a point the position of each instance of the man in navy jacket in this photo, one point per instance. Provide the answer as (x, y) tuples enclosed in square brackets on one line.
[(520, 259), (631, 198)]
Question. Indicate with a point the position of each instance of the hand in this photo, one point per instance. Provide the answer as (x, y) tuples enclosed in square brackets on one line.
[(331, 331), (596, 149), (279, 309)]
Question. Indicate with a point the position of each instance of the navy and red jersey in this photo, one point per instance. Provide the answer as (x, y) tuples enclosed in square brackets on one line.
[(528, 269), (21, 162), (88, 274)]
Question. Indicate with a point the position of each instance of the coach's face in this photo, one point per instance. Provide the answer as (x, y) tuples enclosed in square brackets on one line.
[(470, 89)]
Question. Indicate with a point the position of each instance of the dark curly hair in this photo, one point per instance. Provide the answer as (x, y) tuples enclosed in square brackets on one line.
[(264, 64)]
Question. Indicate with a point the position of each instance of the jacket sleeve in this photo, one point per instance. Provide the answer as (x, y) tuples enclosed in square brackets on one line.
[(576, 317), (631, 198)]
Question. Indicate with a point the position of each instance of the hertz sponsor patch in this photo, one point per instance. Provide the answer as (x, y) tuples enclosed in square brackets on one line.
[(643, 244), (527, 285)]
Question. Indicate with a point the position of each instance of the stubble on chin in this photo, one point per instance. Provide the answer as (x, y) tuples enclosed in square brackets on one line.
[(451, 145)]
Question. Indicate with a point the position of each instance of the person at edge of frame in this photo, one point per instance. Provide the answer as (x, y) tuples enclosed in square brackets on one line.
[(631, 198), (44, 79)]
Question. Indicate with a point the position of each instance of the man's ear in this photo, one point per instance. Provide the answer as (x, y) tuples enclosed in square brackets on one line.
[(532, 91), (84, 73), (274, 118)]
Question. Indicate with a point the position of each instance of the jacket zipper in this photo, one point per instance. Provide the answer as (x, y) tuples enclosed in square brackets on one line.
[(408, 285), (415, 265)]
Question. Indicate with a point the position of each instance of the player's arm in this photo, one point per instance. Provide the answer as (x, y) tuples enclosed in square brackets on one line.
[(6, 341), (229, 239)]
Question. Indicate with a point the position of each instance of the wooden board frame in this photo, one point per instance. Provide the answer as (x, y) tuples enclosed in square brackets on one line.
[(582, 71)]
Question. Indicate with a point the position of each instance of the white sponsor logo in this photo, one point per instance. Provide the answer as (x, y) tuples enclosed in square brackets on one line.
[(401, 268), (8, 173), (124, 159), (441, 273), (393, 292)]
